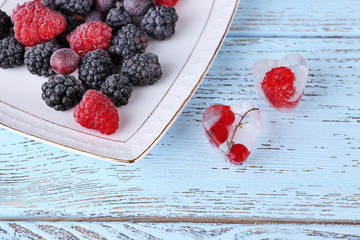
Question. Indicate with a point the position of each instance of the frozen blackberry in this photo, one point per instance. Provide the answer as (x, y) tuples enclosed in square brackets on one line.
[(72, 7), (71, 23), (159, 22), (117, 18), (50, 4), (143, 69), (11, 53), (118, 88), (37, 59), (5, 24), (62, 92), (94, 68), (127, 42)]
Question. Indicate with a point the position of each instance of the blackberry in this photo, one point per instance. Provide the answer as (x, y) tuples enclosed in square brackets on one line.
[(37, 59), (71, 23), (94, 68), (50, 4), (5, 24), (117, 18), (11, 53), (62, 92), (159, 22), (72, 7), (127, 42), (118, 88), (143, 69)]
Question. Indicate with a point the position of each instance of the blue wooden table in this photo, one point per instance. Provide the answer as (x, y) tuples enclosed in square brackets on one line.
[(301, 181)]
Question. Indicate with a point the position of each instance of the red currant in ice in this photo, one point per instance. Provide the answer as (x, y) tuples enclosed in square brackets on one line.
[(218, 133), (238, 154), (222, 117)]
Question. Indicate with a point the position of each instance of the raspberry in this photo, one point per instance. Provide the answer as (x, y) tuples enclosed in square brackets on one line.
[(238, 154), (11, 53), (62, 92), (34, 23), (159, 22), (97, 111), (168, 3), (143, 69), (278, 87), (90, 36), (118, 88), (37, 59), (64, 61), (5, 24)]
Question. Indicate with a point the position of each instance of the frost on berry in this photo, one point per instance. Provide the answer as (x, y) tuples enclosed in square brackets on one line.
[(34, 23), (97, 111), (64, 61), (90, 36)]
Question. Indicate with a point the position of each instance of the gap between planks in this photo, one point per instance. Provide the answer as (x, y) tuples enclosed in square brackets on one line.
[(219, 220)]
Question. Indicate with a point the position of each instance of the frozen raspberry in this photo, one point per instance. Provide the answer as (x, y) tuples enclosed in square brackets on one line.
[(278, 87), (168, 3), (64, 61), (97, 111), (34, 23), (90, 36), (138, 7)]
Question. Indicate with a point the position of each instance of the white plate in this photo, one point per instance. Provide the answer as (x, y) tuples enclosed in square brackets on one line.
[(185, 59)]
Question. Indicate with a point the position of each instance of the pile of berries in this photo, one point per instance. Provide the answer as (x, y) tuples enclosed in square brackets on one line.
[(54, 38)]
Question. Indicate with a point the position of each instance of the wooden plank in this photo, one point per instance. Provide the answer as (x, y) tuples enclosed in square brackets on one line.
[(139, 231), (304, 167), (322, 18)]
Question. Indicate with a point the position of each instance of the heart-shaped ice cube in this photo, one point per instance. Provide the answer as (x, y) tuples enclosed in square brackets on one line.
[(232, 130), (281, 82)]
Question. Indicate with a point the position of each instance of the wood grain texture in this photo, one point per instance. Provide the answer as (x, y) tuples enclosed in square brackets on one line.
[(170, 231), (304, 168)]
